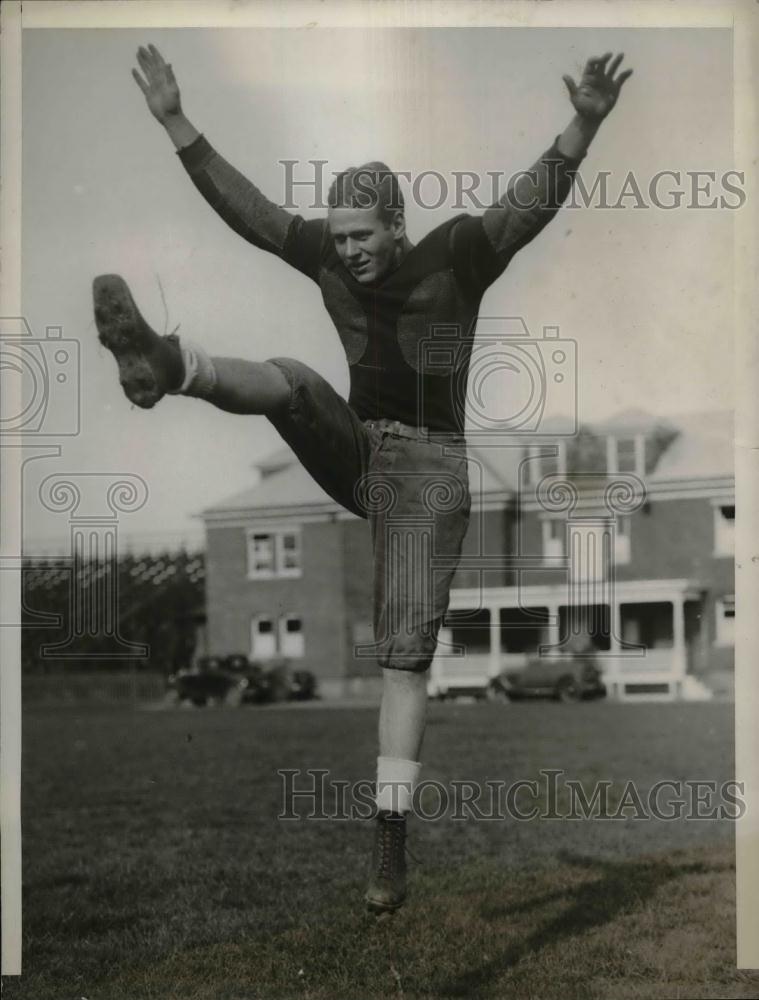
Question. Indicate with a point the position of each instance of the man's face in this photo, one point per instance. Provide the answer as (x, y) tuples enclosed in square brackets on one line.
[(366, 243)]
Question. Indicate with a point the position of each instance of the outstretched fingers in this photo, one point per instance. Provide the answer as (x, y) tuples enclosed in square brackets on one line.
[(570, 85), (154, 67), (140, 82), (146, 62), (614, 65), (157, 57), (596, 64)]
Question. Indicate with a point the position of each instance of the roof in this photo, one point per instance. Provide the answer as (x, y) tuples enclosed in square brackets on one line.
[(633, 421), (702, 448), (290, 487)]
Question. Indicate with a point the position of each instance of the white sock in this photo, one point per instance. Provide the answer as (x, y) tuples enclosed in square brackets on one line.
[(199, 372), (396, 780)]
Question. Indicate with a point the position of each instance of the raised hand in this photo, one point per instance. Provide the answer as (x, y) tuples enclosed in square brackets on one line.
[(159, 86), (598, 90)]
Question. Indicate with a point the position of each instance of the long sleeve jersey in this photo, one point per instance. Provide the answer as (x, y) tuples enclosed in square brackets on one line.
[(407, 339)]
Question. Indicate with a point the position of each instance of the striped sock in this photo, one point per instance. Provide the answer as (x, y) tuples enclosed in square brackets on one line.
[(396, 781), (199, 372)]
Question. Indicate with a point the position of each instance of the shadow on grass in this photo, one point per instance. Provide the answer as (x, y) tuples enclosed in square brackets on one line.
[(620, 887)]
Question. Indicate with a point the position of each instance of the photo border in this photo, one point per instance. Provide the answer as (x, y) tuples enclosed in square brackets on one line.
[(740, 17)]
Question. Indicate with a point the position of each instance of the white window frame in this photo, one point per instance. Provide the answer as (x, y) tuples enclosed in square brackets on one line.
[(612, 453), (553, 548), (253, 572), (622, 543), (724, 532), (724, 632), (283, 570), (277, 533)]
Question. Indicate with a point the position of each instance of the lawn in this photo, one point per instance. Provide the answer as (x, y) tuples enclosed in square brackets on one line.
[(155, 865)]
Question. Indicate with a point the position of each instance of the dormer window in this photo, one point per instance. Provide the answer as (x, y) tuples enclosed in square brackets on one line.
[(543, 460), (626, 454)]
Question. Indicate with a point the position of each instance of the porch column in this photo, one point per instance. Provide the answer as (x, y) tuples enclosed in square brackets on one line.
[(495, 641), (614, 671), (679, 658), (553, 635)]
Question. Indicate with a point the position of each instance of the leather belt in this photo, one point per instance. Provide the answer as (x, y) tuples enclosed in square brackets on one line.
[(396, 429)]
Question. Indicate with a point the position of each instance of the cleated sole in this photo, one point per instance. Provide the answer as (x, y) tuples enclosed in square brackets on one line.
[(380, 909), (123, 331)]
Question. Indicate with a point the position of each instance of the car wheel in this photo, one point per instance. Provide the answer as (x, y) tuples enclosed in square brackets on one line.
[(234, 697), (496, 693), (567, 690)]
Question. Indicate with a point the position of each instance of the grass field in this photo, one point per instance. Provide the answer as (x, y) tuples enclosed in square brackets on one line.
[(155, 865)]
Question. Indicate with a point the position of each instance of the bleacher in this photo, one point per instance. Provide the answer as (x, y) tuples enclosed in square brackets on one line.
[(140, 612)]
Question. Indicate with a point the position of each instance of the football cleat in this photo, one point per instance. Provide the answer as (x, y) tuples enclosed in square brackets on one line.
[(387, 883), (149, 365)]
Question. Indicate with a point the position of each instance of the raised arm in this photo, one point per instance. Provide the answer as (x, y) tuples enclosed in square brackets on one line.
[(239, 202), (536, 195)]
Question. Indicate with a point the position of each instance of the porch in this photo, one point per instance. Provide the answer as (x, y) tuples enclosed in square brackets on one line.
[(647, 635)]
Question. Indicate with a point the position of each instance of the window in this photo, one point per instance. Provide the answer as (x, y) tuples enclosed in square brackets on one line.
[(552, 460), (725, 611), (554, 531), (724, 530), (263, 638), (627, 455), (291, 636), (649, 624), (269, 638), (261, 555), (470, 629), (622, 541), (538, 462), (273, 553), (590, 555), (523, 629), (288, 553), (580, 622)]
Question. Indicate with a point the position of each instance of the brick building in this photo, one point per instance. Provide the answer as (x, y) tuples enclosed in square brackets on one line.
[(624, 531)]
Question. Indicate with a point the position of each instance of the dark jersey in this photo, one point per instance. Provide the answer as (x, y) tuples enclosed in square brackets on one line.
[(407, 339)]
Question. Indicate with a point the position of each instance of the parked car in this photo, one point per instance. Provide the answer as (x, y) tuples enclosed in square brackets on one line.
[(255, 682), (302, 686), (236, 680), (564, 679), (207, 682)]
